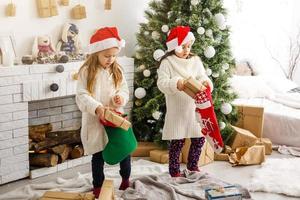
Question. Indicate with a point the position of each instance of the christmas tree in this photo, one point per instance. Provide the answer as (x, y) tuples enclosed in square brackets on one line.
[(206, 18)]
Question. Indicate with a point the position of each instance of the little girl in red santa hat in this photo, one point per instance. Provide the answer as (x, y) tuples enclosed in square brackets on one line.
[(180, 120), (101, 84)]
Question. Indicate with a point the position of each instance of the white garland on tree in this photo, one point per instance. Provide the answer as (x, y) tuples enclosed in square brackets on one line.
[(209, 52), (226, 108), (140, 92), (157, 54), (146, 72)]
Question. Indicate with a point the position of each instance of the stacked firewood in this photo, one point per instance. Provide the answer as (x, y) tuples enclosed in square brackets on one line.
[(48, 148)]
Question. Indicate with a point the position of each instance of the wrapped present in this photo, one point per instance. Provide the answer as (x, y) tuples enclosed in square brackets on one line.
[(248, 155), (144, 148), (252, 119), (221, 156), (206, 156), (107, 190), (243, 138), (107, 5), (10, 10), (64, 2), (230, 192), (51, 195), (267, 143), (116, 120), (78, 12), (47, 8), (228, 149), (161, 156), (192, 86)]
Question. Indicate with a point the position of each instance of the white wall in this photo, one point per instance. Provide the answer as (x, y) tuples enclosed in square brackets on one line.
[(125, 14)]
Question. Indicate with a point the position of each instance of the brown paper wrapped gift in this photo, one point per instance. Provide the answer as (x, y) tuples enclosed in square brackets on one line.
[(206, 156), (252, 119), (47, 8), (107, 190), (161, 156), (117, 120), (248, 155), (107, 5), (10, 10), (78, 12), (144, 148), (192, 86), (51, 195), (267, 143), (243, 138), (221, 156), (64, 2)]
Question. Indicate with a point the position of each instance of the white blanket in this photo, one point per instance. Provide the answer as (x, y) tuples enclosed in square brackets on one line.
[(288, 99)]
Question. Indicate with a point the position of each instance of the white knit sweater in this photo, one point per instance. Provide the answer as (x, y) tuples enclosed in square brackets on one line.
[(180, 119), (93, 135)]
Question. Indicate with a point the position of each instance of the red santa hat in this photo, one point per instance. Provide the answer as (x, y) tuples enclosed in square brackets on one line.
[(105, 38), (178, 36)]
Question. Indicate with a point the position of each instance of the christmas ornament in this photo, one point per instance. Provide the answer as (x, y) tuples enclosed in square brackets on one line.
[(138, 55), (157, 54), (220, 20), (222, 125), (146, 73), (141, 67), (146, 33), (208, 71), (170, 14), (209, 52), (200, 30), (178, 21), (140, 93), (223, 71), (207, 116), (209, 33), (215, 74), (165, 28), (194, 2), (155, 35), (225, 66), (156, 115), (226, 108)]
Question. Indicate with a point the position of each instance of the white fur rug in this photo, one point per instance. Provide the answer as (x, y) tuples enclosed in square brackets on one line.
[(277, 176)]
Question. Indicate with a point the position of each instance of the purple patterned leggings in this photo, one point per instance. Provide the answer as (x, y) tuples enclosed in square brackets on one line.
[(193, 157)]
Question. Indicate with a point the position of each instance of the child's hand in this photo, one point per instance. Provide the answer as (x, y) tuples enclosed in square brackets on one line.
[(180, 84), (118, 100), (100, 110)]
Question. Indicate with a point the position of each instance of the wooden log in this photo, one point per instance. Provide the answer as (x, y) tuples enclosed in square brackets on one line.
[(38, 132), (63, 137), (43, 160), (77, 152), (62, 151)]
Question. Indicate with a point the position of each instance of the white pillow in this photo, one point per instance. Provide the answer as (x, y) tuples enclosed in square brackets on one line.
[(281, 85), (250, 87)]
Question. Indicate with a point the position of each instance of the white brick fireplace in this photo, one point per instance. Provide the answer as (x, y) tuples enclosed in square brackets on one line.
[(26, 99)]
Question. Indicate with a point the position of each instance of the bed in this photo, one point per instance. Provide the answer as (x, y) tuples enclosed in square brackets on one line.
[(281, 106)]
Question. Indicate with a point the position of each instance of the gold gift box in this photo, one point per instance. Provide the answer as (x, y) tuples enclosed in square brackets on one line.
[(47, 8), (243, 138), (117, 120), (252, 119), (206, 156), (51, 195), (221, 156), (161, 156), (192, 86), (10, 10), (267, 143), (107, 190), (248, 155), (78, 12), (144, 148), (64, 2), (107, 5)]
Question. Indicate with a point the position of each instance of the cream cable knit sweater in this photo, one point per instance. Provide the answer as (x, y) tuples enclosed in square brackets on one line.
[(180, 120)]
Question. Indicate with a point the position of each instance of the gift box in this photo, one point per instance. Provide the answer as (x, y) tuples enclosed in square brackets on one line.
[(47, 8), (192, 86), (221, 193), (107, 5), (206, 156), (161, 156), (78, 12), (51, 195), (243, 138), (221, 157), (107, 190), (10, 10), (252, 119), (116, 119), (144, 148), (64, 2), (248, 155), (267, 143)]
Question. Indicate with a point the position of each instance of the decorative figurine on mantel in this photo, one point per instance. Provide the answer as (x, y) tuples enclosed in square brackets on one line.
[(70, 43), (43, 50)]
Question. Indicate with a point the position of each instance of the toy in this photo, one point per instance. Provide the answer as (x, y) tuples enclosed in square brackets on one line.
[(43, 50), (69, 42)]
